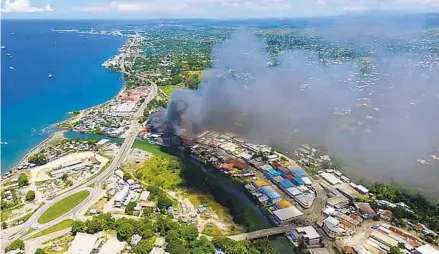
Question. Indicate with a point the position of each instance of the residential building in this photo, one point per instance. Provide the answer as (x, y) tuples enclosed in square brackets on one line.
[(288, 214), (309, 234)]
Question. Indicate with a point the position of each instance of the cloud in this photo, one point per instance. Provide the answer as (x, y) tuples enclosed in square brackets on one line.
[(254, 8), (23, 6)]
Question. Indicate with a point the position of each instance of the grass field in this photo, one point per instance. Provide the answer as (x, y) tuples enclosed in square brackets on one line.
[(63, 206), (197, 198), (169, 88), (152, 148), (212, 230), (60, 226)]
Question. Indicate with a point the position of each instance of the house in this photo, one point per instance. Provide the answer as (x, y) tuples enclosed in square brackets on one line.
[(366, 210), (82, 244), (309, 234), (102, 143), (135, 239), (331, 226), (385, 214), (361, 189), (121, 195), (426, 249), (285, 215), (338, 201), (271, 193)]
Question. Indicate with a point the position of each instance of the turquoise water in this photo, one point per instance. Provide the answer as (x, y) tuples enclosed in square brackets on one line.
[(30, 101)]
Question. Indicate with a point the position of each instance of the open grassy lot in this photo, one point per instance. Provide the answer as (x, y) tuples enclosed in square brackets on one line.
[(63, 206), (60, 226), (169, 88), (197, 198), (152, 148), (212, 229)]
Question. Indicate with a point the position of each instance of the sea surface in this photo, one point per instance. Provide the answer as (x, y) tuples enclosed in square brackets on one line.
[(30, 100)]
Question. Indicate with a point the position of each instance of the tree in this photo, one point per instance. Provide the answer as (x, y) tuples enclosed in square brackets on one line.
[(30, 195), (147, 211), (40, 251), (38, 159), (125, 230), (238, 248), (176, 247), (202, 246), (144, 246), (146, 230), (126, 177), (15, 245), (23, 180), (4, 225), (163, 202), (64, 177), (264, 246), (130, 208), (78, 226), (395, 250)]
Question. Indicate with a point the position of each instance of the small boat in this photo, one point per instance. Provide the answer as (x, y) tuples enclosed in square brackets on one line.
[(9, 55), (3, 47), (12, 68), (50, 75)]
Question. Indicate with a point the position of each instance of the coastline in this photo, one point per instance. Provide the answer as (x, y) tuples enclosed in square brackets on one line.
[(58, 133)]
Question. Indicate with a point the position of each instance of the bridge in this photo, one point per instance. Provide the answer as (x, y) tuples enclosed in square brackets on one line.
[(263, 233)]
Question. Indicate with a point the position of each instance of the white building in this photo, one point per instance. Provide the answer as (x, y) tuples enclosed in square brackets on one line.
[(125, 109), (426, 249), (310, 234), (330, 178), (286, 214), (82, 244), (361, 189), (120, 196), (331, 226)]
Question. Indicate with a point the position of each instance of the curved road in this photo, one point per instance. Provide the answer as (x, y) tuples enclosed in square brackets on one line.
[(97, 190)]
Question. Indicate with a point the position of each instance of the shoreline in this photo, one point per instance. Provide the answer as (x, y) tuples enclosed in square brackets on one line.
[(13, 170)]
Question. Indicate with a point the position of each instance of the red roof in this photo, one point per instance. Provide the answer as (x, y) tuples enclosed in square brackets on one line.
[(239, 164), (289, 176), (226, 166)]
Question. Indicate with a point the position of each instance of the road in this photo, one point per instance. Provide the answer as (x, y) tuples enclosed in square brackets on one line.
[(119, 158), (263, 233)]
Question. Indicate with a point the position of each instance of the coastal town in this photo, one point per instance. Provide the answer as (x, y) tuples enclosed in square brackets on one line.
[(130, 187)]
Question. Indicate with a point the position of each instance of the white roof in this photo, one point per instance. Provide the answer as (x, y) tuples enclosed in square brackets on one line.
[(144, 196), (332, 179), (293, 191), (287, 213), (157, 250), (306, 180), (309, 232), (82, 244), (112, 246), (102, 141), (427, 249), (362, 189)]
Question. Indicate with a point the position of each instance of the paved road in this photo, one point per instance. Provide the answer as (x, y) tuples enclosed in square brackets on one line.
[(96, 191)]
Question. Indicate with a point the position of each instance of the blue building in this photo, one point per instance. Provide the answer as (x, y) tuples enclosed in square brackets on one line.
[(271, 193), (285, 184)]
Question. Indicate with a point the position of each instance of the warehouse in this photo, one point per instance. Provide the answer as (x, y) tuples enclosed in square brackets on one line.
[(330, 178), (285, 184), (121, 195), (271, 193), (288, 214), (293, 191)]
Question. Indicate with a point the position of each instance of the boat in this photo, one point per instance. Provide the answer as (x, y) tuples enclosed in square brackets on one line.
[(3, 47), (9, 55), (50, 75), (12, 68)]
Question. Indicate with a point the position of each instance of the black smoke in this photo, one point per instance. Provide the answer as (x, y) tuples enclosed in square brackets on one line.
[(378, 110)]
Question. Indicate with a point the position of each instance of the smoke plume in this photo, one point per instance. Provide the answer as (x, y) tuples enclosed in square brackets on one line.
[(377, 108)]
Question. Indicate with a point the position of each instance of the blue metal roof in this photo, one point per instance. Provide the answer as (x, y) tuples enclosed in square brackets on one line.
[(270, 192), (286, 184)]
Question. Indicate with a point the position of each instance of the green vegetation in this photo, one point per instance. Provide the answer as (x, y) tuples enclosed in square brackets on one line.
[(15, 245), (23, 180), (160, 196), (160, 171), (57, 227), (168, 89), (63, 206), (98, 132), (152, 106), (262, 246), (423, 210), (40, 251), (198, 198), (154, 149), (30, 195), (212, 229), (130, 208), (38, 159)]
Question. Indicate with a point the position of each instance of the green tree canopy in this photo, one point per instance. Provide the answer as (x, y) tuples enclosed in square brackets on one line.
[(30, 195), (40, 251), (78, 226), (15, 245), (130, 208), (144, 246), (23, 180)]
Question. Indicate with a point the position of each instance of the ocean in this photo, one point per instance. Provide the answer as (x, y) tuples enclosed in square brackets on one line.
[(30, 100)]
